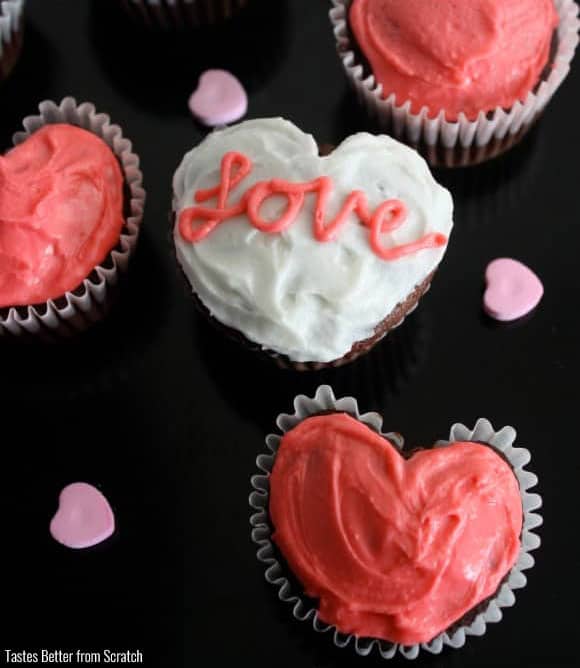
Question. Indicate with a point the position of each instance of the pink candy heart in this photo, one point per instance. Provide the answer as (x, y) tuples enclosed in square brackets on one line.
[(219, 98), (84, 517), (513, 290)]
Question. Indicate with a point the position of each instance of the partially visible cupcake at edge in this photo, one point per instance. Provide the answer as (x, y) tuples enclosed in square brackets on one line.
[(71, 204), (182, 14), (310, 260), (11, 29), (463, 81)]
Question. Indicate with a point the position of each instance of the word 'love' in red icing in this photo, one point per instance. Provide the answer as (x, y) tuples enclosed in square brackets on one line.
[(196, 222)]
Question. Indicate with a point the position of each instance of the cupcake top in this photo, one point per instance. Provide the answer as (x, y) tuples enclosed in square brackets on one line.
[(455, 56), (61, 213), (306, 255), (396, 549)]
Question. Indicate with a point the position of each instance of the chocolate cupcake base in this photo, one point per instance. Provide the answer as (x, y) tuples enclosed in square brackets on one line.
[(469, 156)]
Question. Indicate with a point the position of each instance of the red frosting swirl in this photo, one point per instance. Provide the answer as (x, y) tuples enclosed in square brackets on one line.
[(394, 549), (455, 55), (61, 213)]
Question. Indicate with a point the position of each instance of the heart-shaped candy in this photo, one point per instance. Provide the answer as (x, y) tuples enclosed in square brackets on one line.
[(307, 255), (84, 517), (393, 548), (513, 290), (61, 213), (219, 98)]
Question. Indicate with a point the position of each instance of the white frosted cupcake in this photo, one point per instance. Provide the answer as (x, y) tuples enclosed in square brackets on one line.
[(310, 259)]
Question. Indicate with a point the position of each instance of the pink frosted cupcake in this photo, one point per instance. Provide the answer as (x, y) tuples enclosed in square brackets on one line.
[(71, 205), (462, 81), (392, 550)]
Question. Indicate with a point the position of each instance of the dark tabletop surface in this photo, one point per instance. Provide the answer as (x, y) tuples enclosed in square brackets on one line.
[(167, 417)]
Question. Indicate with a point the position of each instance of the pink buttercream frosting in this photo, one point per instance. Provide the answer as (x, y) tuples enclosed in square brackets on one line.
[(393, 548), (455, 55), (61, 213)]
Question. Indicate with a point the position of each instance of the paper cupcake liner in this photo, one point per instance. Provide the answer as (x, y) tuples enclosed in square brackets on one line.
[(303, 610), (178, 14), (11, 24), (463, 141), (88, 303)]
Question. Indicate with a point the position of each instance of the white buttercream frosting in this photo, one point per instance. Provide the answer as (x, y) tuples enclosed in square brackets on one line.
[(288, 292)]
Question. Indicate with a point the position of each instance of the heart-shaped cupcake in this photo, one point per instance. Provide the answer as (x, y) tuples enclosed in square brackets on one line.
[(308, 257), (71, 207), (463, 82), (395, 548)]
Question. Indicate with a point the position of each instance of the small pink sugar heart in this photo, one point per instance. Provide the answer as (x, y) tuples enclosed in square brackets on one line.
[(84, 517), (219, 98), (513, 290)]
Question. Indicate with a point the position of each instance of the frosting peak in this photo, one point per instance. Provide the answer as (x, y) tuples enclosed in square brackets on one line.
[(392, 548), (61, 213), (455, 55)]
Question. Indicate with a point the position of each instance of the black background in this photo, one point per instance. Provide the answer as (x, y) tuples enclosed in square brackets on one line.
[(166, 417)]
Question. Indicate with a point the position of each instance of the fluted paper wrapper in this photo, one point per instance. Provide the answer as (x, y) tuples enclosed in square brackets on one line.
[(303, 610), (178, 14), (11, 24), (463, 141), (78, 309)]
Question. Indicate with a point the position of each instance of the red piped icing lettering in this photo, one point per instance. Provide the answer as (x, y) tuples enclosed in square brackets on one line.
[(196, 222)]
